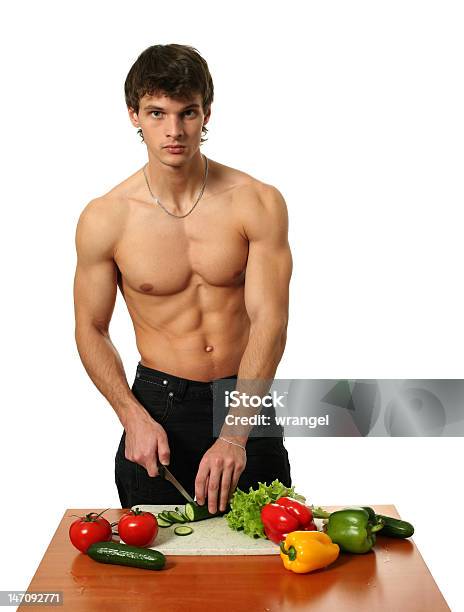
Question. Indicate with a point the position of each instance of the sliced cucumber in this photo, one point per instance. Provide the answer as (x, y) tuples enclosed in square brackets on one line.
[(164, 517), (194, 512), (183, 530), (163, 523), (181, 511), (174, 517)]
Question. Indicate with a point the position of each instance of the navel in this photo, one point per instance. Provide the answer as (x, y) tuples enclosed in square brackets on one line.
[(209, 348), (146, 287)]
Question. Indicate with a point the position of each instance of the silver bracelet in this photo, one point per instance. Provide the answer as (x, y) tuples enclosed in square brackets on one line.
[(230, 442)]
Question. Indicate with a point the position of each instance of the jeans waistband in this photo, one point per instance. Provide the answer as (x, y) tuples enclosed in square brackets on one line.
[(176, 384)]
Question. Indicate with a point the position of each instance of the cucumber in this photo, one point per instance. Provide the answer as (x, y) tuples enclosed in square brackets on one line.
[(162, 516), (395, 528), (195, 512), (163, 523), (174, 517), (181, 512), (122, 554), (392, 527), (183, 530), (165, 516)]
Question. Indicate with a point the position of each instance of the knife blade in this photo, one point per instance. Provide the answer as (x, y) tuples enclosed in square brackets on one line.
[(166, 474)]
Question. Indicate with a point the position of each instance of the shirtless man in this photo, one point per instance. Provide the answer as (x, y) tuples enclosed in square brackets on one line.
[(206, 286)]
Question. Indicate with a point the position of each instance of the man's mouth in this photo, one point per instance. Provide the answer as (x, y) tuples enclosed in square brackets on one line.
[(175, 150)]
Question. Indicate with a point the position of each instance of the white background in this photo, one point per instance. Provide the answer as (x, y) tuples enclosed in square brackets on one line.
[(353, 110)]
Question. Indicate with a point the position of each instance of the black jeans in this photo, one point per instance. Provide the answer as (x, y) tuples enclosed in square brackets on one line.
[(184, 408)]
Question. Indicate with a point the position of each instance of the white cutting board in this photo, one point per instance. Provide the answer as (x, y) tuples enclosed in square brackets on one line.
[(210, 537)]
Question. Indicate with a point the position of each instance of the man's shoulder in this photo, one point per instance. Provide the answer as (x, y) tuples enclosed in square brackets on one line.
[(260, 206), (103, 216), (101, 222), (247, 187), (110, 206)]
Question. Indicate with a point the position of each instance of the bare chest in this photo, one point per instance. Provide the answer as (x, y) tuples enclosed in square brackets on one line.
[(162, 255)]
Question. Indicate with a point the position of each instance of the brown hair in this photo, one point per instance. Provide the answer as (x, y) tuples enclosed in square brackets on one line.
[(177, 71)]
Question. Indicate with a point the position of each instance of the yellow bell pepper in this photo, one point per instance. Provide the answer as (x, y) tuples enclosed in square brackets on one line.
[(305, 551)]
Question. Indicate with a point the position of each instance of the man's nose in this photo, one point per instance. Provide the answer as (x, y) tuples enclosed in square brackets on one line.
[(174, 128)]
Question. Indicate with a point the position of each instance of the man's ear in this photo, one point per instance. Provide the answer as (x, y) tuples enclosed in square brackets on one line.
[(207, 116), (133, 117)]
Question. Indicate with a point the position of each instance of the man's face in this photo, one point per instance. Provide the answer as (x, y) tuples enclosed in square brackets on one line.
[(165, 121)]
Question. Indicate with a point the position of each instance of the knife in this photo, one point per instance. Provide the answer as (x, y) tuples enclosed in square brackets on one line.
[(166, 474)]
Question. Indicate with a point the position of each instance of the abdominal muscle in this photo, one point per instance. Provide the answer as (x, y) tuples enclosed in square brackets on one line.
[(200, 333)]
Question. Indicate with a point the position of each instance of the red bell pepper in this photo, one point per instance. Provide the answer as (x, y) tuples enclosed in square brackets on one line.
[(284, 516), (298, 510)]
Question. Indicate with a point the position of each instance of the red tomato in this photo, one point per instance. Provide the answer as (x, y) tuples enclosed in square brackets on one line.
[(138, 528), (88, 529)]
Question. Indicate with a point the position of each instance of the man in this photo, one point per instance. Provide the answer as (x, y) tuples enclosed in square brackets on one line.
[(200, 253)]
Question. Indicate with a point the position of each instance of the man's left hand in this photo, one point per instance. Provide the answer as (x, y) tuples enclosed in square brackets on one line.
[(218, 474)]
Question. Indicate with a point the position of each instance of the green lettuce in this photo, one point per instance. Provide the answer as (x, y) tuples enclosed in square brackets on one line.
[(245, 513)]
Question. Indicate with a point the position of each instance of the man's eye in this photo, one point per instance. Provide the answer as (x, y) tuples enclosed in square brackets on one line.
[(188, 111)]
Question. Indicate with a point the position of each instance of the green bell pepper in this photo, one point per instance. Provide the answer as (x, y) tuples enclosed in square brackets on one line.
[(353, 529)]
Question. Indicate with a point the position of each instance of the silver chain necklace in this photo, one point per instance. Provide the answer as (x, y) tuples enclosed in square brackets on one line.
[(197, 200)]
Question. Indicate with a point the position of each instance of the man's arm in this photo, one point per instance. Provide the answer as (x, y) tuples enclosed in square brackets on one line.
[(95, 288), (268, 273)]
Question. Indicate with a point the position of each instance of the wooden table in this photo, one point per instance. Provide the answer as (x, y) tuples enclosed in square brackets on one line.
[(393, 577)]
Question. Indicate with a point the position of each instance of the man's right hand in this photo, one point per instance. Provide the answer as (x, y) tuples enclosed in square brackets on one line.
[(146, 441)]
